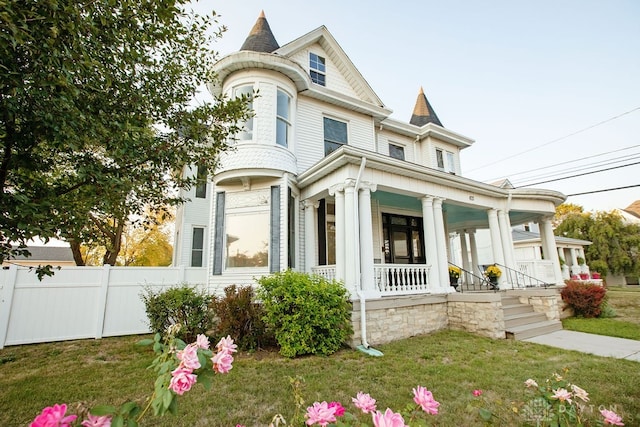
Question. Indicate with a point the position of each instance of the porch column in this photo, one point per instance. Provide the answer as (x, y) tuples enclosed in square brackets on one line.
[(338, 192), (507, 240), (549, 247), (496, 241), (441, 243), (431, 247), (575, 268), (310, 231), (367, 278), (465, 256), (563, 267), (474, 257), (350, 219)]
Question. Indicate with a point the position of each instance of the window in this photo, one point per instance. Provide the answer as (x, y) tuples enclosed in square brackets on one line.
[(440, 159), (197, 247), (317, 69), (283, 122), (451, 166), (247, 229), (246, 134), (201, 185), (335, 135), (396, 151)]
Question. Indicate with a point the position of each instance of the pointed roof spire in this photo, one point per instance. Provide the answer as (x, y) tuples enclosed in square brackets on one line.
[(423, 112), (260, 38)]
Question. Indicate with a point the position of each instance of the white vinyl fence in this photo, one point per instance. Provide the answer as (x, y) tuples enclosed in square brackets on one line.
[(81, 302)]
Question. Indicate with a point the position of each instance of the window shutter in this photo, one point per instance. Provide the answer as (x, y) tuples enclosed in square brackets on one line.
[(274, 251), (218, 243)]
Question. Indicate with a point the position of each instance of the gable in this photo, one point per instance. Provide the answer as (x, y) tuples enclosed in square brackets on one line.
[(342, 75)]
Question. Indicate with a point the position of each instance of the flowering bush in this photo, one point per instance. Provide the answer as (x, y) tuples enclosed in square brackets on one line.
[(556, 402), (323, 413), (586, 299), (454, 272), (178, 365), (493, 271)]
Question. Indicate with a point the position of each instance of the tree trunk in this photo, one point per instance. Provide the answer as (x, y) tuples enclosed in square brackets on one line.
[(111, 255), (77, 254)]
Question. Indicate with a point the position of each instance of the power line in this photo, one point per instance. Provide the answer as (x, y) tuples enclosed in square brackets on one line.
[(580, 174), (605, 190), (558, 139)]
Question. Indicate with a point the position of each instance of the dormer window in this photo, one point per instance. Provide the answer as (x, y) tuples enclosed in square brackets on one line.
[(450, 165), (396, 151), (317, 69)]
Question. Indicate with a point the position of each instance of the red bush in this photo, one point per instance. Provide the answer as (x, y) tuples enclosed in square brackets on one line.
[(585, 299)]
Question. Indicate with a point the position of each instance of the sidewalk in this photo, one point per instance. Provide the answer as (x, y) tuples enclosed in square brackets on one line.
[(599, 345)]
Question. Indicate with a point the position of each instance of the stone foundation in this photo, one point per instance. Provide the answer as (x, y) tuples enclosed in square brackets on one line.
[(547, 301), (479, 313)]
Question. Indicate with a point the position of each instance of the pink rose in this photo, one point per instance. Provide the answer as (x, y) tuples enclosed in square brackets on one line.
[(562, 395), (96, 421), (611, 417), (202, 341), (388, 419), (226, 345), (182, 380), (222, 362), (189, 357), (53, 416), (339, 409), (320, 413), (364, 402), (477, 393), (424, 398)]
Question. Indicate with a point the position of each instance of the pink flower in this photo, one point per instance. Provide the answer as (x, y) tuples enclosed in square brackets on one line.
[(189, 357), (222, 362), (226, 345), (611, 417), (96, 421), (562, 395), (424, 398), (364, 402), (477, 393), (580, 393), (530, 383), (339, 409), (202, 341), (53, 416), (388, 419), (182, 380), (320, 413)]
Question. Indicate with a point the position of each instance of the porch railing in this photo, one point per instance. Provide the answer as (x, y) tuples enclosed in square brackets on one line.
[(538, 273), (391, 279)]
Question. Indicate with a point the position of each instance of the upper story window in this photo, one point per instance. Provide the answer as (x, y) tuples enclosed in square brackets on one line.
[(246, 134), (197, 247), (335, 135), (450, 165), (283, 120), (201, 185), (317, 69), (396, 151)]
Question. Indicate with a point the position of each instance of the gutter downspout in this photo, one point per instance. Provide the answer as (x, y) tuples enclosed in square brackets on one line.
[(364, 347)]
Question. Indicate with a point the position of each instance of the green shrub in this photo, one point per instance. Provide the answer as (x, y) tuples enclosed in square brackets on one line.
[(586, 299), (238, 315), (308, 314), (181, 305)]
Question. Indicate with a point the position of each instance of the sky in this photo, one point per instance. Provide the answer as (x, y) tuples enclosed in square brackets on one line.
[(545, 88)]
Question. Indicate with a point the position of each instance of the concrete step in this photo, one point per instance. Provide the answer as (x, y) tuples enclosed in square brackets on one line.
[(510, 310), (523, 319), (510, 301), (533, 329)]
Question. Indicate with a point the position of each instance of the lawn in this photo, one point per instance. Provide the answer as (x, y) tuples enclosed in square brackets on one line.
[(450, 364)]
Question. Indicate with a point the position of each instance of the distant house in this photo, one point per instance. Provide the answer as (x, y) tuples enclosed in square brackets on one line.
[(630, 215), (56, 256)]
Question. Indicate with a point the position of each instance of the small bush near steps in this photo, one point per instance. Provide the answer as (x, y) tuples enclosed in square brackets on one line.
[(586, 299), (308, 314)]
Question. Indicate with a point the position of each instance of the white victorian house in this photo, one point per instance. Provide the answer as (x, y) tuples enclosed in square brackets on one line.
[(323, 180)]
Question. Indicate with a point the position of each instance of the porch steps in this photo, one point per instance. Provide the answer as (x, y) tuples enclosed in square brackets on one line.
[(522, 322)]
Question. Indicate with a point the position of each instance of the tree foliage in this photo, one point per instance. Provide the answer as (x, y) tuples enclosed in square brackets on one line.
[(96, 113), (615, 244)]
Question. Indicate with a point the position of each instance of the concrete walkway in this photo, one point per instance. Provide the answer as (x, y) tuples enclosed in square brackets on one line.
[(599, 345)]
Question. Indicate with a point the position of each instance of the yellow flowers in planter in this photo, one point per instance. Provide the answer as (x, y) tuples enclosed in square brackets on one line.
[(454, 272), (493, 271)]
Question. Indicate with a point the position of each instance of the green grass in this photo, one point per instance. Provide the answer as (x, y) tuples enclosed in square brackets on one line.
[(450, 364), (626, 324)]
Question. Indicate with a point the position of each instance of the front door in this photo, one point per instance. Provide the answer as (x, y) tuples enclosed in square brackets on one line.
[(403, 239)]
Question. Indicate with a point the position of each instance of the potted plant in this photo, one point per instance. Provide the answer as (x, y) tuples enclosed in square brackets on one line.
[(492, 273), (454, 275), (580, 260), (595, 275)]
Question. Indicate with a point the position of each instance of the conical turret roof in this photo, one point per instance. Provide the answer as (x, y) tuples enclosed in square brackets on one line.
[(260, 38), (423, 112)]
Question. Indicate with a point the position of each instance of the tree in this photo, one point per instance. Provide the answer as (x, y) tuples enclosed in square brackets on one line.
[(615, 244), (147, 243), (96, 119), (564, 210)]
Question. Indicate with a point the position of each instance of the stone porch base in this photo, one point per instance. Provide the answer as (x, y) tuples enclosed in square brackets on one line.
[(394, 318)]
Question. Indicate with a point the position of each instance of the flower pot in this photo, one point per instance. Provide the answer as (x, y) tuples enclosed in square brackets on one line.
[(494, 282), (595, 275), (584, 276), (453, 281)]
